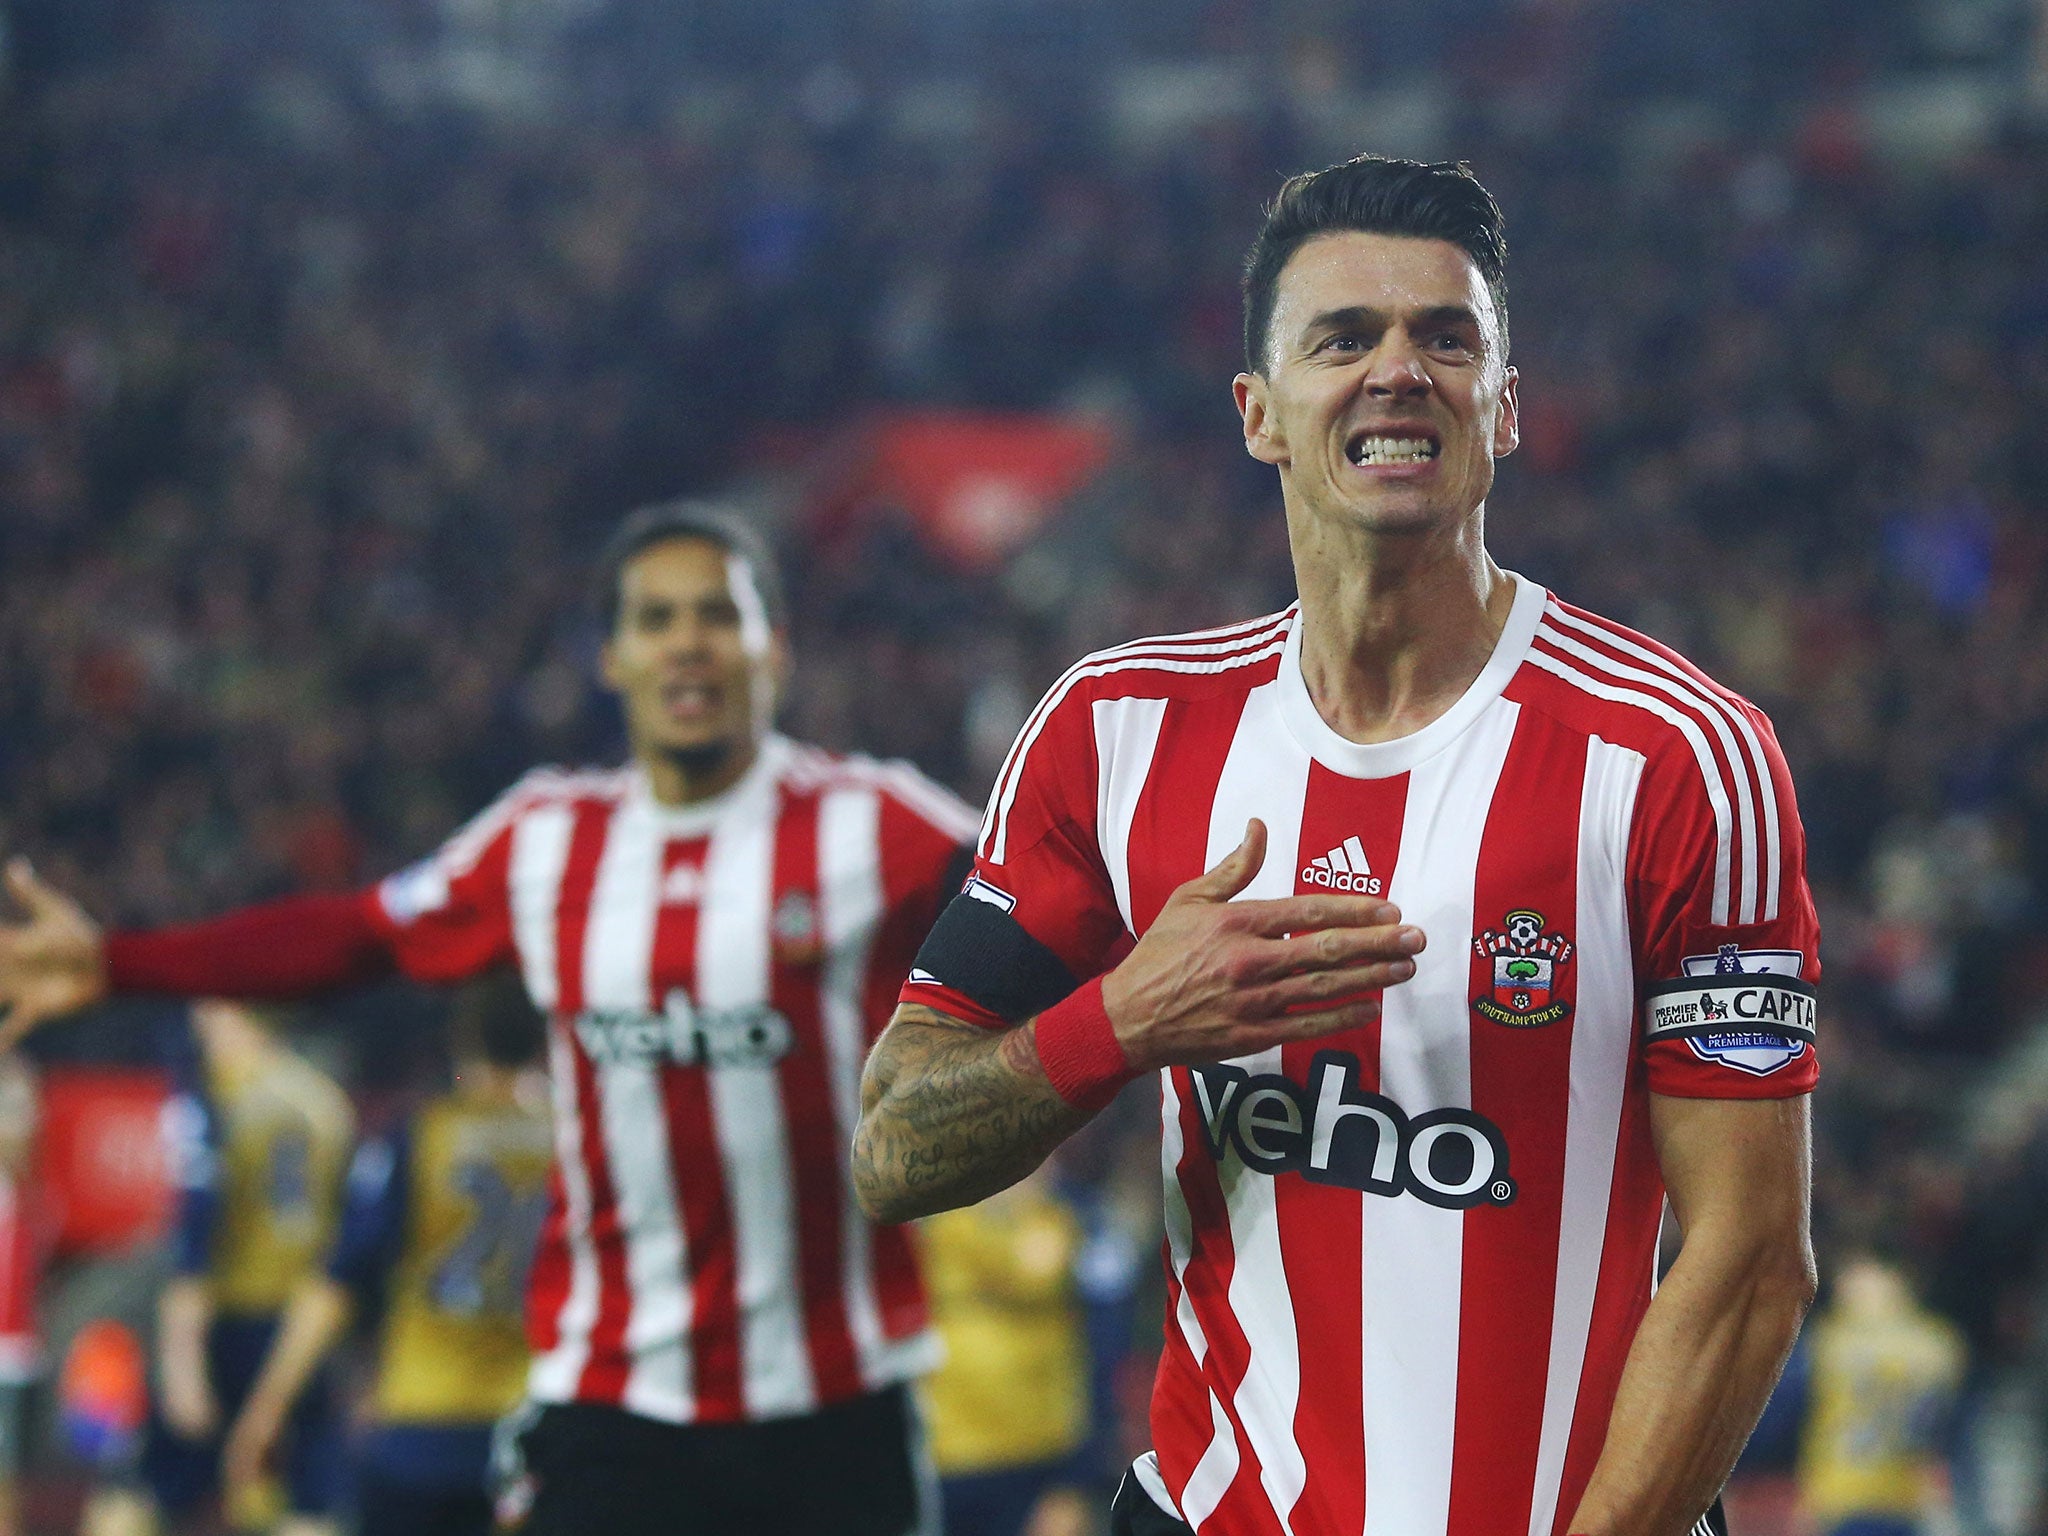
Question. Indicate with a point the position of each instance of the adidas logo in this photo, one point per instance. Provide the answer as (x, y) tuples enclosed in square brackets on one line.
[(1344, 868)]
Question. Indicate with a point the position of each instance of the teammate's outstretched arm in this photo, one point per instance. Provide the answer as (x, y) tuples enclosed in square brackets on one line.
[(952, 1112), (1715, 1338), (52, 962)]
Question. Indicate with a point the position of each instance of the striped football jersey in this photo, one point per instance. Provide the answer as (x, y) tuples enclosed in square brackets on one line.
[(713, 976), (1405, 1262)]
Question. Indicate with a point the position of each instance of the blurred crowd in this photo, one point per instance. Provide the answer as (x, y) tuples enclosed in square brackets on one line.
[(330, 344)]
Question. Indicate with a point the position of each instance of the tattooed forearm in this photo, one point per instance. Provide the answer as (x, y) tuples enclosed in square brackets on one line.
[(950, 1114)]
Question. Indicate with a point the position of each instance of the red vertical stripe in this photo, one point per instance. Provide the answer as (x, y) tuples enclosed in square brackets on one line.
[(695, 1166), (914, 858), (817, 1144), (1170, 828), (1521, 1082), (1635, 1211), (1321, 1226), (547, 1282), (1169, 845), (604, 1374)]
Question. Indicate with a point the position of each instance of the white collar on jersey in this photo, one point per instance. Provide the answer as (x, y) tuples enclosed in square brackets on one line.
[(699, 818), (1380, 759)]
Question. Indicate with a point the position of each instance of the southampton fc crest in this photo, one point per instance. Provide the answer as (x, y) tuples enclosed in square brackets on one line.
[(1527, 963)]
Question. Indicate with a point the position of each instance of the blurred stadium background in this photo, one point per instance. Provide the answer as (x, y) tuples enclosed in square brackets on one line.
[(333, 337)]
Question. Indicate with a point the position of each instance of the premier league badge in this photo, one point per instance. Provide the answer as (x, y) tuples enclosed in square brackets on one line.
[(1527, 965)]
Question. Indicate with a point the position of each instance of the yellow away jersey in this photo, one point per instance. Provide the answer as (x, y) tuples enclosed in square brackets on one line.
[(476, 1189), (1880, 1380), (1014, 1386), (284, 1133)]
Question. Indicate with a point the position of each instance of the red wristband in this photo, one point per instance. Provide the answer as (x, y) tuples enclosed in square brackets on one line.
[(1079, 1049)]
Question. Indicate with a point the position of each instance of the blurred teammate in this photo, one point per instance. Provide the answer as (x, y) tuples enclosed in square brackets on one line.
[(715, 933), (259, 1145), (1413, 1192), (1009, 1407), (1882, 1376), (20, 1263), (437, 1233)]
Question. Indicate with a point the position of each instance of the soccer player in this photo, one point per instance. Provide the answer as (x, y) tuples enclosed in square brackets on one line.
[(715, 933), (259, 1145), (1464, 925), (437, 1232)]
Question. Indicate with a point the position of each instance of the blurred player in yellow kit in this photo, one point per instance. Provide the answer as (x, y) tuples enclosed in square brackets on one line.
[(438, 1231), (259, 1142), (1884, 1371), (1009, 1407)]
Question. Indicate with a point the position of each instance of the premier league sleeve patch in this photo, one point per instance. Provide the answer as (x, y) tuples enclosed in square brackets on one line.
[(1749, 1009)]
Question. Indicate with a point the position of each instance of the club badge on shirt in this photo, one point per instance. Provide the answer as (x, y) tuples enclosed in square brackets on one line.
[(1528, 966)]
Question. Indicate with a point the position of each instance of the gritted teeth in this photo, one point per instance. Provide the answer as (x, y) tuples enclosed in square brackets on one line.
[(1385, 448)]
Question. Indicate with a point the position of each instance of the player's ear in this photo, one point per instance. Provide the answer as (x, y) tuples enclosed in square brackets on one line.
[(608, 668), (1261, 440), (1507, 426)]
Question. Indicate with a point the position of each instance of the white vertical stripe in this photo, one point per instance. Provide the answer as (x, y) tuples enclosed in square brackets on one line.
[(1413, 1253), (1774, 850), (850, 900), (1126, 734), (1180, 1224), (1603, 1031), (1265, 774), (1693, 698), (540, 854), (1710, 771), (1212, 1475), (1354, 850), (553, 1376), (746, 1107), (533, 877), (618, 954)]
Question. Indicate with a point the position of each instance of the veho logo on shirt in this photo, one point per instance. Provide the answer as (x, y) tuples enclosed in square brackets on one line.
[(750, 1035), (1334, 1132)]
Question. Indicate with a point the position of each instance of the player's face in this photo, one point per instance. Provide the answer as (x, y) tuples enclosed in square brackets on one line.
[(692, 657), (1386, 397)]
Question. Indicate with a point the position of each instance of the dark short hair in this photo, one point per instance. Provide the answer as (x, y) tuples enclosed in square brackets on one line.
[(493, 1019), (1373, 195), (687, 519)]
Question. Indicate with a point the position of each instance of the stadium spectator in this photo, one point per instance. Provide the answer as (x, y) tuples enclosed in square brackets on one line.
[(714, 931)]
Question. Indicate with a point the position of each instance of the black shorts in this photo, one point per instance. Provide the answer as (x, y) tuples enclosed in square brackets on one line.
[(1134, 1514), (853, 1469)]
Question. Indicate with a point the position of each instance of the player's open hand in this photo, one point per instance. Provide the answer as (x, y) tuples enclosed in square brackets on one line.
[(53, 962), (1214, 978)]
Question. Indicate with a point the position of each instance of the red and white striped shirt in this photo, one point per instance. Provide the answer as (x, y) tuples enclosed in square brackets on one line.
[(1405, 1262), (713, 976)]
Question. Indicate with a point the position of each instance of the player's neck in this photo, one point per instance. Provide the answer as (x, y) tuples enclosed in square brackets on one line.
[(1394, 627), (689, 778)]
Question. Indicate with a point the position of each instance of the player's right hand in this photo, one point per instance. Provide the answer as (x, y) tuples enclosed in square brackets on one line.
[(53, 962), (1214, 978)]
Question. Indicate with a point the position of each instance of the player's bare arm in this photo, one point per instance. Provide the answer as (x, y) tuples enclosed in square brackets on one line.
[(952, 1112), (52, 961), (1717, 1335)]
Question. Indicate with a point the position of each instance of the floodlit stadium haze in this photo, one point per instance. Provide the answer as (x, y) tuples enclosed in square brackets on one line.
[(334, 340)]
